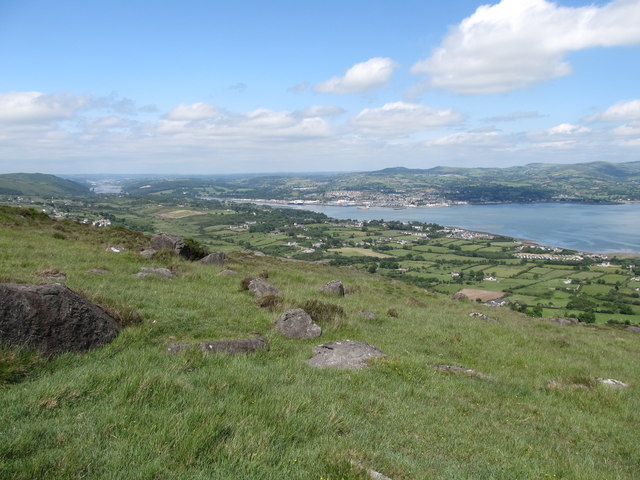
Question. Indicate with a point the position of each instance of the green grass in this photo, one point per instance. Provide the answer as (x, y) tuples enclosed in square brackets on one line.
[(132, 411)]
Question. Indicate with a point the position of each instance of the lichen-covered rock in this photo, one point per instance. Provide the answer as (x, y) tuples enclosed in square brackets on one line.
[(53, 319), (261, 288), (334, 287), (347, 354), (235, 346), (296, 323)]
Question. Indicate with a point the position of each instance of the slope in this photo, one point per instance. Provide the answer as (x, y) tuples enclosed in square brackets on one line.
[(131, 410)]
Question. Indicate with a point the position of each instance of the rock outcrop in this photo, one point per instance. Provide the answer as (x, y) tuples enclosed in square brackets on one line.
[(463, 370), (347, 354), (334, 287), (235, 346), (53, 319), (296, 323), (164, 241)]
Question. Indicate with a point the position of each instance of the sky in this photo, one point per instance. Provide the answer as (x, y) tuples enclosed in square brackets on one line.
[(207, 87)]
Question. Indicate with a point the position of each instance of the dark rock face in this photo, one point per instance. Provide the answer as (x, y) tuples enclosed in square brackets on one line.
[(262, 288), (52, 318), (217, 258), (334, 287), (296, 323), (346, 354), (241, 345)]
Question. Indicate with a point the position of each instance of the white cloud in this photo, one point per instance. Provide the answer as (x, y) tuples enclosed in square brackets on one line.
[(482, 138), (320, 111), (619, 112), (516, 43), (36, 107), (360, 78), (194, 111), (567, 129), (402, 119)]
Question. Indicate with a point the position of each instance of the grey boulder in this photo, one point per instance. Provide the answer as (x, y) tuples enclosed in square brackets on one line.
[(296, 323), (346, 354)]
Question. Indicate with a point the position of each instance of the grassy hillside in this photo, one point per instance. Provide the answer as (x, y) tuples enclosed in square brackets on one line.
[(132, 411), (39, 184)]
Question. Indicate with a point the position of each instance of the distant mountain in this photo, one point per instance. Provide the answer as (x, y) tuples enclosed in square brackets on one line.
[(39, 184)]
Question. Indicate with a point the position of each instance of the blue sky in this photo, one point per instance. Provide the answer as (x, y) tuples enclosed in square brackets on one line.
[(252, 86)]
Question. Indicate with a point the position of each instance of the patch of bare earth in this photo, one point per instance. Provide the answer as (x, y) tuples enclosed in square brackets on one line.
[(483, 295)]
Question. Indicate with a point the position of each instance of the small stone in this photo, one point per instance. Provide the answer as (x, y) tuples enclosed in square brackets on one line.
[(633, 328), (98, 271), (115, 249), (463, 370), (148, 253), (240, 345), (153, 272), (482, 316), (367, 314), (612, 382), (227, 271)]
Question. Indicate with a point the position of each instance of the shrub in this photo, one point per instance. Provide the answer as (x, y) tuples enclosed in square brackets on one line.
[(270, 302), (392, 312), (244, 283), (195, 250), (325, 314), (59, 236)]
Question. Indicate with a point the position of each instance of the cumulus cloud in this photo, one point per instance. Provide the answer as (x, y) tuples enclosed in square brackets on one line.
[(516, 43), (619, 112), (360, 78), (36, 107), (402, 119), (203, 120)]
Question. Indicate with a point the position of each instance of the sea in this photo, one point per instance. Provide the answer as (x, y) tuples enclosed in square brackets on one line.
[(586, 228)]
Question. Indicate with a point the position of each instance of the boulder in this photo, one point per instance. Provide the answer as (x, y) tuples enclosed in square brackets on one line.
[(296, 323), (52, 318), (334, 287), (217, 258), (633, 328), (261, 288), (460, 296), (153, 272), (164, 241), (240, 345), (226, 271), (367, 314), (347, 354)]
